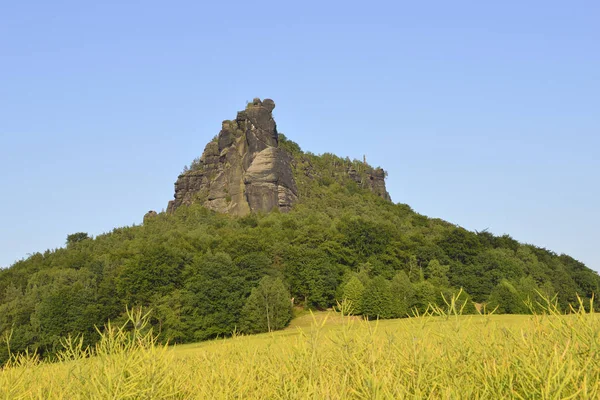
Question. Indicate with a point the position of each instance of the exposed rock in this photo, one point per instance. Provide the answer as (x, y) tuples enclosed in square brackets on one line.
[(269, 181), (243, 170), (373, 179), (150, 214)]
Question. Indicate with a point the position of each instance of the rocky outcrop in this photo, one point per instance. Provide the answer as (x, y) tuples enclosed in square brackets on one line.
[(243, 169), (372, 179), (149, 215)]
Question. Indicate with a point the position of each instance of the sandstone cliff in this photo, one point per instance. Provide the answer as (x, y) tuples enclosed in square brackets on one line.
[(243, 169), (372, 179)]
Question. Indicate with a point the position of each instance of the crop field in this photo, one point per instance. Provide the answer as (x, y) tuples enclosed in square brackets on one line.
[(327, 355)]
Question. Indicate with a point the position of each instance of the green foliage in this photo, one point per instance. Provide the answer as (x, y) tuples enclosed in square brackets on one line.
[(353, 294), (363, 236), (438, 273), (415, 271), (76, 238), (425, 294), (196, 165), (312, 276), (213, 297), (505, 299), (155, 271), (291, 147), (268, 308), (461, 245), (403, 295), (377, 299)]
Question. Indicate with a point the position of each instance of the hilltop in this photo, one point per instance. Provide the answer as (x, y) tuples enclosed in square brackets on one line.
[(255, 214), (244, 169)]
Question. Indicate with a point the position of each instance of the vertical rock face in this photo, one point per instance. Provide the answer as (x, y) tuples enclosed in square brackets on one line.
[(242, 170), (372, 179)]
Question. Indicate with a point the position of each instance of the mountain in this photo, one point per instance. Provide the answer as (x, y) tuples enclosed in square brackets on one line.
[(256, 217)]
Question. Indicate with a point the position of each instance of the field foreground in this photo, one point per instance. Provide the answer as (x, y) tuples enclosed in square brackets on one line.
[(328, 356)]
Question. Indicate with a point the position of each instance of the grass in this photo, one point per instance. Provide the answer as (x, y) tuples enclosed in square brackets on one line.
[(330, 356)]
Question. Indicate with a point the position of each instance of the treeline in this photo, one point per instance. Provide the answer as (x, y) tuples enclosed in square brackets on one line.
[(198, 270), (400, 296)]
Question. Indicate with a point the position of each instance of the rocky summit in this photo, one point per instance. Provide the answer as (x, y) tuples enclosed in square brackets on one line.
[(243, 169)]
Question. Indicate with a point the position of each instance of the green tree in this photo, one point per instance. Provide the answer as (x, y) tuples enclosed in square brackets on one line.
[(506, 299), (167, 313), (564, 285), (156, 270), (425, 294), (76, 238), (438, 274), (415, 272), (365, 236), (529, 293), (377, 299), (353, 293), (214, 297), (461, 245), (268, 307), (403, 295), (312, 276)]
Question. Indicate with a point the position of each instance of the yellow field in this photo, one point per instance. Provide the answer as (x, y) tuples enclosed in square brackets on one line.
[(328, 356)]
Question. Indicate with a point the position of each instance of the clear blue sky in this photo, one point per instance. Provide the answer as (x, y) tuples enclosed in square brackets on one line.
[(485, 115)]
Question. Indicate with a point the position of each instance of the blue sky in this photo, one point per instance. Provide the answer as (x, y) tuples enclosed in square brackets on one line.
[(485, 115)]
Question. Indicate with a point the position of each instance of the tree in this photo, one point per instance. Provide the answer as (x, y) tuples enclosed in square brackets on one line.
[(415, 272), (364, 236), (506, 299), (564, 285), (76, 238), (424, 296), (353, 293), (438, 274), (461, 245), (215, 291), (377, 299), (156, 270), (268, 307), (167, 312), (312, 276), (403, 294)]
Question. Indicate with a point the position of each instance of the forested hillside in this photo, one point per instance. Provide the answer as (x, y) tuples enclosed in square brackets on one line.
[(196, 268)]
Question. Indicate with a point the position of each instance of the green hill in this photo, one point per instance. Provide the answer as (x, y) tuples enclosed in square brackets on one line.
[(326, 233)]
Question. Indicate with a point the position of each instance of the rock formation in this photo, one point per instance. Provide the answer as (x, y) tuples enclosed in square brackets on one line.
[(372, 179), (150, 214), (243, 169)]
